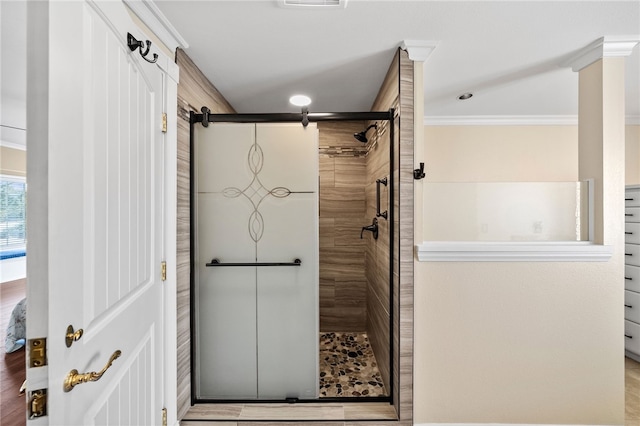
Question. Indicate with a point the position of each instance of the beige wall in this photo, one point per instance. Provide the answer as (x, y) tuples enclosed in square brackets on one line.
[(515, 343), (501, 153), (504, 153), (632, 155), (13, 161), (502, 342)]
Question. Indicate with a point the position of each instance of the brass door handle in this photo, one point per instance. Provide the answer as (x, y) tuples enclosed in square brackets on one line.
[(74, 378)]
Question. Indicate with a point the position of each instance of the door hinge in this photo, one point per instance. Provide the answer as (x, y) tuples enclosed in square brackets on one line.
[(164, 122), (37, 403), (163, 270), (164, 417)]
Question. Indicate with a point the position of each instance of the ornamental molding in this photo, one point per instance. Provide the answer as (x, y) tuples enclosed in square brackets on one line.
[(604, 47), (419, 50), (512, 120), (153, 18)]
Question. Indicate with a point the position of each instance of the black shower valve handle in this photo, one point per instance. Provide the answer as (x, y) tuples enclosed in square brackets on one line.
[(373, 228), (419, 173)]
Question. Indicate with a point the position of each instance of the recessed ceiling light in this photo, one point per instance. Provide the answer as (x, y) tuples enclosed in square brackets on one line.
[(300, 100), (465, 96)]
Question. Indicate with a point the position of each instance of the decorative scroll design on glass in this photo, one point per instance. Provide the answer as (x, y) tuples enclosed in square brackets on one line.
[(256, 192)]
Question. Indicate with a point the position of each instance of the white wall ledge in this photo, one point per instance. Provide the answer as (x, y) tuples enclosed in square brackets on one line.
[(467, 251)]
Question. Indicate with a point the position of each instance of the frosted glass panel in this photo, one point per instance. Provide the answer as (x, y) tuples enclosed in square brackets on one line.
[(295, 168), (496, 211), (226, 334), (287, 300), (256, 201), (223, 153), (219, 220)]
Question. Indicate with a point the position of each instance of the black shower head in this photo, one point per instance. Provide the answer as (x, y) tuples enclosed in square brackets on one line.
[(362, 136)]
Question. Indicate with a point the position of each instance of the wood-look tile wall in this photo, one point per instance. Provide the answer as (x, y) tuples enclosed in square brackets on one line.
[(342, 216), (377, 259), (194, 92), (397, 92), (403, 275), (377, 252)]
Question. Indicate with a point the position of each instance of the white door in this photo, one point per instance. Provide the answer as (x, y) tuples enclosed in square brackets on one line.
[(256, 207), (95, 241)]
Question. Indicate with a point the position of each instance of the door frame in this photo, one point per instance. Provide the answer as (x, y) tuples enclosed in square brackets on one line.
[(204, 119)]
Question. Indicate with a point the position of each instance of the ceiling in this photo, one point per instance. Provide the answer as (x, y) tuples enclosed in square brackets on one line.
[(13, 73), (512, 55)]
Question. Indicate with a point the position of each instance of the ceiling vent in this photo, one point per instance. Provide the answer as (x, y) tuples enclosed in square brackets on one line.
[(324, 4)]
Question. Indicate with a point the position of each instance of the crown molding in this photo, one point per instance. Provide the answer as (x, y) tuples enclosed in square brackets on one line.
[(502, 120), (512, 120), (153, 18), (419, 50), (604, 47)]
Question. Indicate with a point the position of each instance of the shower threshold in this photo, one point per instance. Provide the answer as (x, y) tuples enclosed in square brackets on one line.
[(281, 412)]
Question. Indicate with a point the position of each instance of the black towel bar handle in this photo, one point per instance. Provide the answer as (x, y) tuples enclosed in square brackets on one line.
[(379, 182), (216, 262)]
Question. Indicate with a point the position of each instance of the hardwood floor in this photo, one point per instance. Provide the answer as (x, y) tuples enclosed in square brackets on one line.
[(12, 367)]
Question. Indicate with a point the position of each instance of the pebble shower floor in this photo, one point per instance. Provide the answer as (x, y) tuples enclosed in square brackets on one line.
[(348, 367)]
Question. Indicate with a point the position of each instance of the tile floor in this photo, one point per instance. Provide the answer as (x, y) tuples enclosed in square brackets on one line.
[(198, 414), (348, 367), (632, 392), (317, 414)]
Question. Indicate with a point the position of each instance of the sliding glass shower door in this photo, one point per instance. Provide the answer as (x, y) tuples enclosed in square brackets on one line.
[(256, 261)]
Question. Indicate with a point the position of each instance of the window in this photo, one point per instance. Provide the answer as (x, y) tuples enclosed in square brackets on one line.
[(13, 215)]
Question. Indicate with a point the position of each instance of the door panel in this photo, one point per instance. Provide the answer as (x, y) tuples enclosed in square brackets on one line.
[(227, 335), (257, 201), (288, 296), (128, 397), (226, 297), (288, 301), (103, 150), (118, 165)]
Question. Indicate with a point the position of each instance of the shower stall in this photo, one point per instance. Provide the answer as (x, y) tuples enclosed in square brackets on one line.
[(291, 256)]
